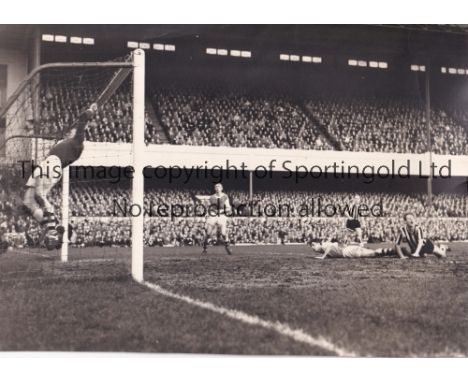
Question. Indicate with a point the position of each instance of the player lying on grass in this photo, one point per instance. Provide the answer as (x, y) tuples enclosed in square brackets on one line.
[(218, 207), (336, 250), (48, 174), (419, 246)]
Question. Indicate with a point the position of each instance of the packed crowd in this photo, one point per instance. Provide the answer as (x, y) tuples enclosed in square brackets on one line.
[(60, 106), (217, 118), (460, 114), (388, 125), (16, 229), (106, 199), (190, 231), (98, 221)]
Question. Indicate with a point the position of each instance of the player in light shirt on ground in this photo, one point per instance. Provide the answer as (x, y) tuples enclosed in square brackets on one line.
[(336, 250)]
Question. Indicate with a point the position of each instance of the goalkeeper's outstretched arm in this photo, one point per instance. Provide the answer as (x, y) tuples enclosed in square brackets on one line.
[(82, 121)]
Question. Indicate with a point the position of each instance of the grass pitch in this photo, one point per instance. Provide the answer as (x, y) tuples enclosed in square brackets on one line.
[(371, 307)]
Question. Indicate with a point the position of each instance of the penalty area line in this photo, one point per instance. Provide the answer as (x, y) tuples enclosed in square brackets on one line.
[(297, 335)]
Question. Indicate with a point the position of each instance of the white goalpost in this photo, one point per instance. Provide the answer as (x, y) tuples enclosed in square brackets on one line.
[(138, 148), (138, 145), (65, 212)]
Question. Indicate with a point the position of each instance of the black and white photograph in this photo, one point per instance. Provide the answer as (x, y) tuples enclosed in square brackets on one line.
[(234, 189)]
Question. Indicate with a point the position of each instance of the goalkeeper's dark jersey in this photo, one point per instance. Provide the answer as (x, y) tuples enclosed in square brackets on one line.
[(68, 150)]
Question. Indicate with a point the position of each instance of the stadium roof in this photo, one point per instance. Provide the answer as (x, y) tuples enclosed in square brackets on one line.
[(391, 38)]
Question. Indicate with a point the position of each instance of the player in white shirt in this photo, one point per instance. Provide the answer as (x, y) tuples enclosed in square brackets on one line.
[(336, 250)]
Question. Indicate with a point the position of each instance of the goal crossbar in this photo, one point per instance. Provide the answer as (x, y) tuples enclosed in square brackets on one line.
[(58, 65)]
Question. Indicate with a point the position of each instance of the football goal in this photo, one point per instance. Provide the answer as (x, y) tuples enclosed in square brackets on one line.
[(44, 110)]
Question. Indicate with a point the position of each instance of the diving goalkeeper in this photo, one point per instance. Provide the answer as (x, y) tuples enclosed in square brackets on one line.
[(48, 174)]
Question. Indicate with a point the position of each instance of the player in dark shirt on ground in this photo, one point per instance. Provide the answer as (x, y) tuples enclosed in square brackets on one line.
[(418, 245)]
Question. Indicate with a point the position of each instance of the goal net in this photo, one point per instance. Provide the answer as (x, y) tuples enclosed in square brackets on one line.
[(44, 110)]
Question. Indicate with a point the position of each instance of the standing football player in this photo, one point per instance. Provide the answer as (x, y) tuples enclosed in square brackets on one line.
[(218, 207), (48, 174), (353, 224)]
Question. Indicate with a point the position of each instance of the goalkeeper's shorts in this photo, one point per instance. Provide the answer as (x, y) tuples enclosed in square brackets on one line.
[(46, 175)]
